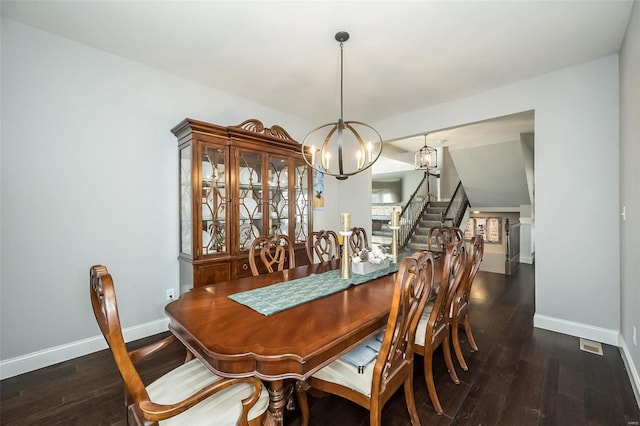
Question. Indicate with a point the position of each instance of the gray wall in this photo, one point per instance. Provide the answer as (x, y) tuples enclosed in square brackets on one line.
[(630, 192), (449, 178), (493, 175)]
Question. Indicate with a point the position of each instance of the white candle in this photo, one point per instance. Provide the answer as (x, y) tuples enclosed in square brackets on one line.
[(345, 222), (359, 160), (327, 159), (369, 151), (313, 155)]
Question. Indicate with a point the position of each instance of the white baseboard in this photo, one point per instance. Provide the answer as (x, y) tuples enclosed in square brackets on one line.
[(526, 259), (632, 370), (598, 334), (35, 360)]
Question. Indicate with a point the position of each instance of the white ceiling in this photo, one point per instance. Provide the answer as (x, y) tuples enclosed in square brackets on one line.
[(402, 55)]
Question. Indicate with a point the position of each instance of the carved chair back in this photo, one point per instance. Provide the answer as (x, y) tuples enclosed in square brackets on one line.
[(105, 309), (436, 321), (440, 237), (460, 308), (324, 245), (474, 258), (414, 282), (452, 275), (358, 240), (275, 252)]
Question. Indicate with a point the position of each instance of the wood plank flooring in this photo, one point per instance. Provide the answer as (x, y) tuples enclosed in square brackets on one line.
[(520, 376)]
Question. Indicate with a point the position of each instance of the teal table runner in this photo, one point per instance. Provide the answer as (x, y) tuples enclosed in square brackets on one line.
[(279, 297)]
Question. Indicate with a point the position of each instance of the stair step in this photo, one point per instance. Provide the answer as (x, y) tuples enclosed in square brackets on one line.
[(428, 223), (416, 247), (419, 239), (382, 233)]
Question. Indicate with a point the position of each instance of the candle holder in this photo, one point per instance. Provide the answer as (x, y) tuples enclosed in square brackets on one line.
[(346, 256), (394, 225), (394, 244)]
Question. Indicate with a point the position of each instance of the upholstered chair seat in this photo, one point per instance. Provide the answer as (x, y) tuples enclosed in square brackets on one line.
[(222, 408), (347, 375)]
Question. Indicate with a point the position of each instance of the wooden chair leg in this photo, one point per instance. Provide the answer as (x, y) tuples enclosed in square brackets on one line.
[(449, 361), (375, 415), (456, 344), (431, 386), (301, 396), (411, 402), (467, 329), (189, 356)]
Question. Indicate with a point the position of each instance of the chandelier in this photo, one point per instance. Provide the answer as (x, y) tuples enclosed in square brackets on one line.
[(426, 157), (338, 149)]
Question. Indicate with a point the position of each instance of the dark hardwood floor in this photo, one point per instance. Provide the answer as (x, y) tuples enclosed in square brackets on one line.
[(520, 376)]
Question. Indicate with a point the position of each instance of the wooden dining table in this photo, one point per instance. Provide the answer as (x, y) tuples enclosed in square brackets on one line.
[(234, 340)]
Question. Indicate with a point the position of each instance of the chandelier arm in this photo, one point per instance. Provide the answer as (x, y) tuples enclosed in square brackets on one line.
[(325, 145), (362, 145), (340, 143)]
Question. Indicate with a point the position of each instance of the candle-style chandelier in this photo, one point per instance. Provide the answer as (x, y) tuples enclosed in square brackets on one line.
[(353, 150), (426, 157)]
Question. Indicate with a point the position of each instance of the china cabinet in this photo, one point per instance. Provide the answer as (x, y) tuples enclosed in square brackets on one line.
[(237, 183)]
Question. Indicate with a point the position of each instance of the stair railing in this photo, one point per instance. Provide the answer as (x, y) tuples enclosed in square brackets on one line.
[(412, 211), (454, 213), (512, 253)]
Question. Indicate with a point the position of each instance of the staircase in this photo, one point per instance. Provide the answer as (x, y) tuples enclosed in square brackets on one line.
[(431, 217)]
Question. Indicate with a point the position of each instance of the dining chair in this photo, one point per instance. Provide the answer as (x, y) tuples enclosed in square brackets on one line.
[(460, 309), (188, 395), (439, 237), (435, 321), (274, 250), (371, 385), (358, 240), (322, 245)]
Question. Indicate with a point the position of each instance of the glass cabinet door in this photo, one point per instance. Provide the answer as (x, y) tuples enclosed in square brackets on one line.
[(214, 200), (186, 221), (250, 198), (301, 196), (278, 196)]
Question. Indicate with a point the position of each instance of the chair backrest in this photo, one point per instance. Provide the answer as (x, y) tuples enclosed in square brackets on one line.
[(414, 282), (474, 258), (358, 240), (440, 237), (324, 245), (452, 273), (105, 309), (274, 250)]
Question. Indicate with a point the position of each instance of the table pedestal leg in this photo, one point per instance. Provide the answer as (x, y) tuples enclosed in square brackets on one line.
[(277, 401)]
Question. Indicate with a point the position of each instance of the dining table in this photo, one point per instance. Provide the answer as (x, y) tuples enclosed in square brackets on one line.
[(281, 347)]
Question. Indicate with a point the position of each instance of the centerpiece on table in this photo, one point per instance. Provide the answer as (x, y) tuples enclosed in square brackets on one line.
[(369, 260)]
